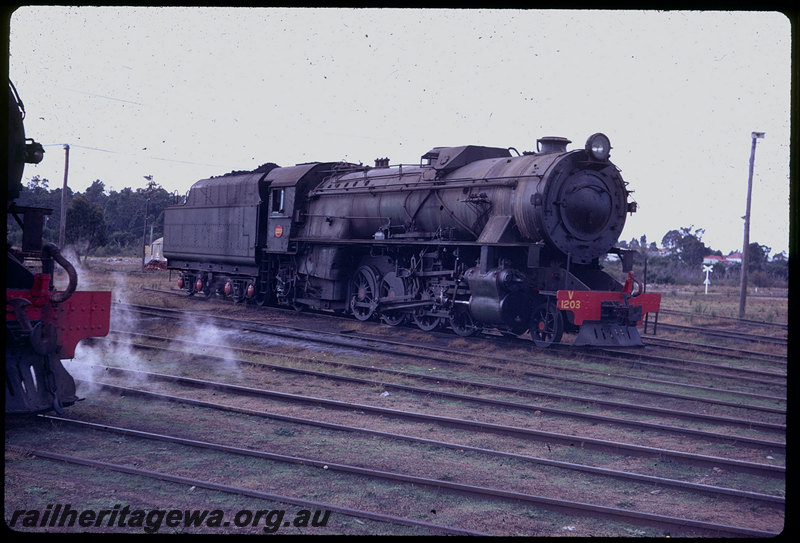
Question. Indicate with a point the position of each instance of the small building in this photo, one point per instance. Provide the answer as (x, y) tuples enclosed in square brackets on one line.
[(710, 260), (154, 255), (734, 258)]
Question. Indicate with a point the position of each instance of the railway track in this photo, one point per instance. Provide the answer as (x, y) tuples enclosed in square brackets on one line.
[(144, 342), (583, 441), (717, 350), (625, 475), (663, 522), (467, 489), (736, 335), (745, 335), (455, 428), (395, 344), (752, 323), (430, 528)]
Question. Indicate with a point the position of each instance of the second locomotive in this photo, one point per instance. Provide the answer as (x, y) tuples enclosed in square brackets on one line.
[(472, 238)]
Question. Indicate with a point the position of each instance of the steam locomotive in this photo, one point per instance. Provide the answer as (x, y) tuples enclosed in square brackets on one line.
[(471, 238), (43, 325)]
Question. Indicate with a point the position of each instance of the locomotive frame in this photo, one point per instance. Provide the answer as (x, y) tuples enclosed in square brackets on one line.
[(471, 238)]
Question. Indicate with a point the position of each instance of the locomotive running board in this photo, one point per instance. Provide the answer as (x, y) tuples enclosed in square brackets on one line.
[(599, 334)]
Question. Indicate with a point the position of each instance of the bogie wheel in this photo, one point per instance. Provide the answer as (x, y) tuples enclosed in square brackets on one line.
[(238, 293), (189, 281), (462, 323), (364, 293), (547, 325), (208, 287)]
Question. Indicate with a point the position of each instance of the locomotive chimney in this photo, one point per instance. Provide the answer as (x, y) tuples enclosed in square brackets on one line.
[(382, 162), (552, 144)]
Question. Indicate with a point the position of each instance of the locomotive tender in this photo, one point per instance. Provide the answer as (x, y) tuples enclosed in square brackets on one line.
[(43, 325), (473, 237)]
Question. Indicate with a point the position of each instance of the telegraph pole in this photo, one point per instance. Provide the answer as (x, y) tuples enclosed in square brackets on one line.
[(146, 211), (745, 249)]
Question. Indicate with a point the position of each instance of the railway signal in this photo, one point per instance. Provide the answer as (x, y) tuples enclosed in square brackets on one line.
[(708, 269)]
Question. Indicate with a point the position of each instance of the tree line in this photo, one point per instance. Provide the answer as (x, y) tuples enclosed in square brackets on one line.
[(680, 260), (102, 223), (98, 223)]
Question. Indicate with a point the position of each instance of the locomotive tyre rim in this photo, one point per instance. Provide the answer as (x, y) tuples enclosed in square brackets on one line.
[(547, 325), (426, 323), (462, 323), (393, 287), (364, 298), (394, 318)]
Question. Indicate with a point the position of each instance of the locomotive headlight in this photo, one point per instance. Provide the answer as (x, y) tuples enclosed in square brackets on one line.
[(34, 152), (598, 146)]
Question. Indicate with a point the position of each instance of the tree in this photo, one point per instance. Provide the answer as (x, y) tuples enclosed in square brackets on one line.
[(692, 250), (687, 244), (86, 226), (160, 199), (757, 256), (37, 194), (121, 212), (38, 185), (96, 193), (671, 239)]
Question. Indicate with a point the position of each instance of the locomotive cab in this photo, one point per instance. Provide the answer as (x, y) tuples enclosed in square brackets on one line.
[(288, 207)]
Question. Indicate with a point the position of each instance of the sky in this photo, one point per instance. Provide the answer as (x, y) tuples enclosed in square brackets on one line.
[(183, 94)]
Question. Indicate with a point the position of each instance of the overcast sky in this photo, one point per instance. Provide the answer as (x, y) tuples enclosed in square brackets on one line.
[(186, 93)]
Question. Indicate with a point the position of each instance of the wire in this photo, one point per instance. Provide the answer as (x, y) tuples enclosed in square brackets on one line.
[(88, 148)]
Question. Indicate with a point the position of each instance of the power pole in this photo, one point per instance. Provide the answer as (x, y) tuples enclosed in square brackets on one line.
[(146, 211), (745, 249), (62, 230)]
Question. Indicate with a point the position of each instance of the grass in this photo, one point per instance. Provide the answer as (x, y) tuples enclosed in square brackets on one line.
[(768, 304)]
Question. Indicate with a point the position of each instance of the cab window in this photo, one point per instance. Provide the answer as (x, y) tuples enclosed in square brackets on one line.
[(277, 201)]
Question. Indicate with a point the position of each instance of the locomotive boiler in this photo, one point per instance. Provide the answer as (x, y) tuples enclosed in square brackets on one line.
[(43, 325), (472, 238)]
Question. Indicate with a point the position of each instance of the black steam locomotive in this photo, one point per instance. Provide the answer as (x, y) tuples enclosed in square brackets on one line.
[(472, 238), (43, 325)]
